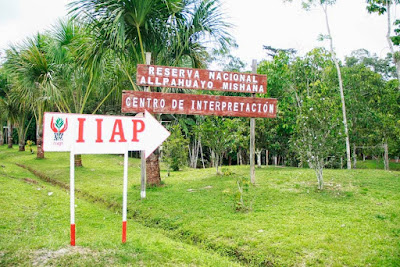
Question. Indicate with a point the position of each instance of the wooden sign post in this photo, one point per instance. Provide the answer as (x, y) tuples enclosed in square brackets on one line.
[(200, 79)]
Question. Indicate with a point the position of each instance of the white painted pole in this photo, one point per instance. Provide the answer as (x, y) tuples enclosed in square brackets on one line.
[(143, 176), (125, 197), (72, 194), (252, 136)]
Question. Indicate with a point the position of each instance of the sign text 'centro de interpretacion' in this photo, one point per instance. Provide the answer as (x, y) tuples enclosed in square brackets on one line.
[(200, 79), (168, 103)]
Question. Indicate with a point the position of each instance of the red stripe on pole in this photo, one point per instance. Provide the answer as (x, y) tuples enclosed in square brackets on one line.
[(72, 234), (124, 232)]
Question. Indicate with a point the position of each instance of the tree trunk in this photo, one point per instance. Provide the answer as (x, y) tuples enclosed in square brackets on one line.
[(201, 153), (216, 162), (39, 141), (9, 134), (258, 153), (153, 170), (386, 156), (193, 154), (390, 43), (190, 150), (1, 135), (21, 147), (266, 157), (212, 158), (339, 74), (300, 165), (354, 156), (153, 177), (21, 137), (275, 160), (319, 172), (318, 167), (78, 160)]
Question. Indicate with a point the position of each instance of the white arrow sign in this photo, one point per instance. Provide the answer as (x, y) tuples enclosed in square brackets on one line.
[(99, 134)]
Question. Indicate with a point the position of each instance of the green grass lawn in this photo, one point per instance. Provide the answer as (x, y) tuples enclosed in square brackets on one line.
[(192, 219), (377, 164)]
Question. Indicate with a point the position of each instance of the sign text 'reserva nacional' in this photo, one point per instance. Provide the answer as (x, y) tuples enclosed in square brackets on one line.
[(200, 79)]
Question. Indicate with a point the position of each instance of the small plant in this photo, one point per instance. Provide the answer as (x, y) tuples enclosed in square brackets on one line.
[(30, 143), (226, 172), (241, 202)]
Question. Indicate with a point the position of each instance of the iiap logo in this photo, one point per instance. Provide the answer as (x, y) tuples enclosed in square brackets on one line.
[(59, 127)]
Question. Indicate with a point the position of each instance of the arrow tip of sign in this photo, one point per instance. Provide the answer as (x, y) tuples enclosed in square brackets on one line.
[(162, 134)]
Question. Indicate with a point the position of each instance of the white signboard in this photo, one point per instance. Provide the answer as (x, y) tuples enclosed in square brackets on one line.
[(99, 134)]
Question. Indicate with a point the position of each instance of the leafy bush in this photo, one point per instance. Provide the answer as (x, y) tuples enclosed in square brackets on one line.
[(175, 149)]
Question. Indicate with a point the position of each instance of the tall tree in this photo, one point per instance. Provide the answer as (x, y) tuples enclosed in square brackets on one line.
[(75, 82), (317, 104), (173, 31), (324, 4), (10, 109), (22, 111), (15, 107), (31, 71), (218, 137), (277, 132), (381, 7), (3, 89), (382, 66)]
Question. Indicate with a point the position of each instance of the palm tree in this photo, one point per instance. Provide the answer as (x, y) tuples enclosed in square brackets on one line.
[(3, 88), (173, 31), (9, 109), (31, 71), (80, 80), (22, 111), (2, 120)]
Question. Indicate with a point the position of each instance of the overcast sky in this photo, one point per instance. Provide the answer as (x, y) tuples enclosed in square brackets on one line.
[(258, 23)]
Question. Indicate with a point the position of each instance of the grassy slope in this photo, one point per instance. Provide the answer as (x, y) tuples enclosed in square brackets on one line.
[(355, 221), (34, 229)]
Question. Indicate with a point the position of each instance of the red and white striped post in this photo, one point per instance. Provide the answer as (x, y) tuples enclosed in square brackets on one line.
[(72, 194), (125, 196)]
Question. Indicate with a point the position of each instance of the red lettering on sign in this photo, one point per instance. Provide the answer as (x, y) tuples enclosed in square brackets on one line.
[(99, 140), (80, 130), (120, 132), (137, 129)]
